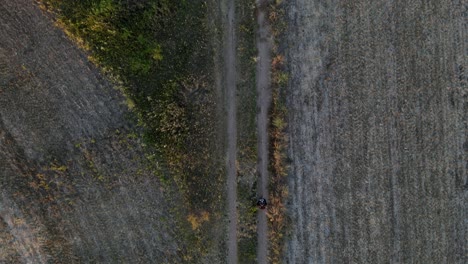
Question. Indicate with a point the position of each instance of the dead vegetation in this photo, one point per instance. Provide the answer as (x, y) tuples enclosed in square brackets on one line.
[(278, 192)]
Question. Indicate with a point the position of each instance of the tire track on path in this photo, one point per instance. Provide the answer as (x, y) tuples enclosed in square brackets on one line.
[(231, 74)]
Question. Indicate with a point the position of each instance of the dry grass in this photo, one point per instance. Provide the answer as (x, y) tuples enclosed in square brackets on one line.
[(278, 190), (196, 220), (278, 142)]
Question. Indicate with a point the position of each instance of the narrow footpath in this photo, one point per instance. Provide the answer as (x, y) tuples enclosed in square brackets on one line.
[(230, 86), (263, 84)]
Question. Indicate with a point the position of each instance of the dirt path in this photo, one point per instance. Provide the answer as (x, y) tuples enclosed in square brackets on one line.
[(263, 103), (230, 62)]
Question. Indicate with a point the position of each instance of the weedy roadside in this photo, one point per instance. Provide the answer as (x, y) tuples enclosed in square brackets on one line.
[(277, 218)]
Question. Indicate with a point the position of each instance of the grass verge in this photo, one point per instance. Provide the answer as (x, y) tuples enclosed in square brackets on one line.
[(278, 141), (247, 131)]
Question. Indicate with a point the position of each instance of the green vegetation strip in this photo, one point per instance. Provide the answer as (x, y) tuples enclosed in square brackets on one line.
[(247, 131)]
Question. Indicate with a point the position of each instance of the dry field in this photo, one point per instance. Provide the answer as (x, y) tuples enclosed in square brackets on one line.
[(74, 183), (377, 103)]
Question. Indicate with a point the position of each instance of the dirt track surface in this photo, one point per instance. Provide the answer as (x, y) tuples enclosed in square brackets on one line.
[(263, 104), (230, 86), (378, 131)]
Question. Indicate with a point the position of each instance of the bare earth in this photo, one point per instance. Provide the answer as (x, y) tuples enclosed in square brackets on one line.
[(230, 86), (377, 104)]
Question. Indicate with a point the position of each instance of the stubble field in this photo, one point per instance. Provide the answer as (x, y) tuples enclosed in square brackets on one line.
[(377, 103)]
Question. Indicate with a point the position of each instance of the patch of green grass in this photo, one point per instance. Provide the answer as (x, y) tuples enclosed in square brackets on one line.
[(247, 52), (154, 47)]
